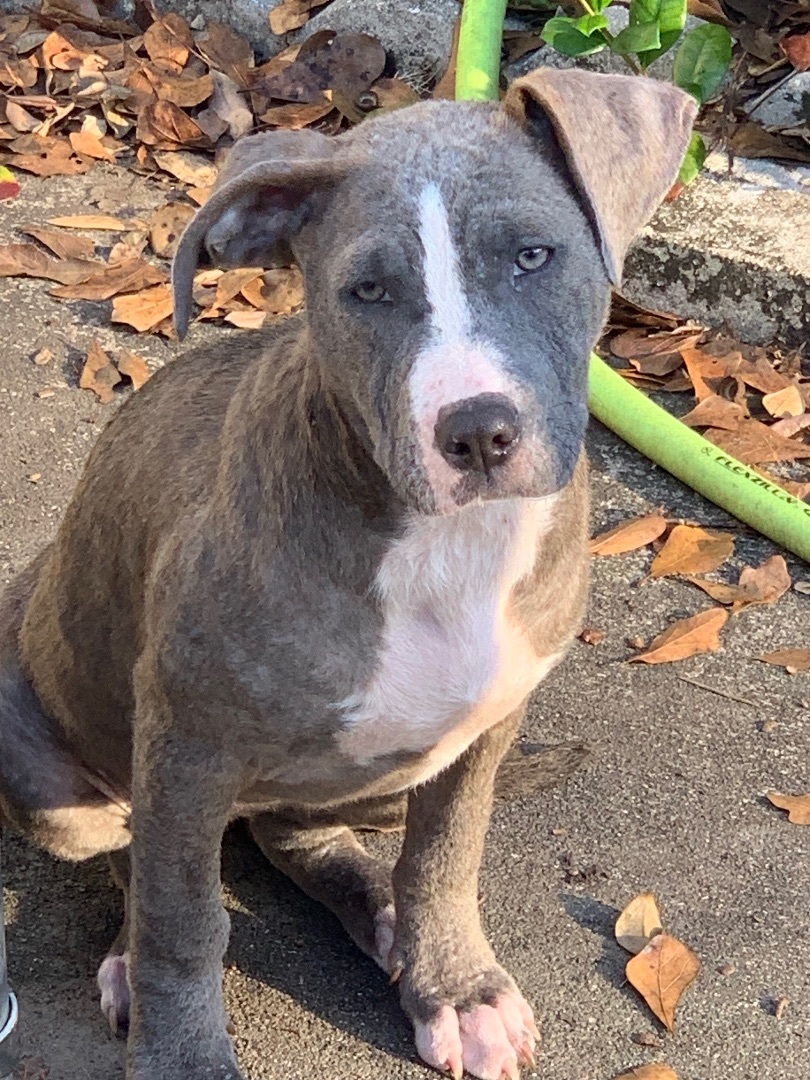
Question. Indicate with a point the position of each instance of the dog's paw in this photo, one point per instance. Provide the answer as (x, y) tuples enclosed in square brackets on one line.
[(490, 1042), (385, 922), (113, 982)]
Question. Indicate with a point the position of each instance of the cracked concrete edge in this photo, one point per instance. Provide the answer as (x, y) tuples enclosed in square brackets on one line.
[(729, 251)]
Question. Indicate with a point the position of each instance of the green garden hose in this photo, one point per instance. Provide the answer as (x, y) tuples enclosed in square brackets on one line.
[(658, 435)]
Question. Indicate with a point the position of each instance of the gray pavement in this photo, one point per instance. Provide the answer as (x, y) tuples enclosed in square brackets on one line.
[(671, 800)]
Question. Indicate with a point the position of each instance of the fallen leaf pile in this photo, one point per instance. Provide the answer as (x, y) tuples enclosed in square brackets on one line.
[(156, 94), (100, 374)]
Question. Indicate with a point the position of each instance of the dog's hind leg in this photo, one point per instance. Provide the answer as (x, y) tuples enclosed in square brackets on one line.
[(45, 791), (328, 863), (113, 975)]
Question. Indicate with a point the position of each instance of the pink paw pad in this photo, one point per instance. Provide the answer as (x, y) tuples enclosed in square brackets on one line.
[(113, 981), (490, 1042)]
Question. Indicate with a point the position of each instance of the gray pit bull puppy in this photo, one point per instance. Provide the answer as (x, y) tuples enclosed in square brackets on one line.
[(350, 549)]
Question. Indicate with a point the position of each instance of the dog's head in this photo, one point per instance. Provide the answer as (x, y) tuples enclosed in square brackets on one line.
[(457, 259)]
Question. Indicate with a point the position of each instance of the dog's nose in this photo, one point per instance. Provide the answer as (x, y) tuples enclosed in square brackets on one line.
[(479, 433)]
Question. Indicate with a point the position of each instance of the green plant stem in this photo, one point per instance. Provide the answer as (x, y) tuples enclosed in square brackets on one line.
[(606, 34), (652, 430)]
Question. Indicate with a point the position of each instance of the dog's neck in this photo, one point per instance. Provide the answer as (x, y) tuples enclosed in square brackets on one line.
[(306, 459)]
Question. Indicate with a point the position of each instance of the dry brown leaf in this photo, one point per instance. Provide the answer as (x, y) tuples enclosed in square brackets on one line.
[(144, 310), (187, 167), (344, 63), (752, 140), (792, 660), (653, 1070), (716, 412), (134, 367), (168, 41), (46, 155), (83, 142), (629, 536), (293, 117), (708, 9), (638, 923), (99, 374), (19, 118), (640, 345), (290, 14), (63, 245), (764, 584), (689, 549), (246, 320), (167, 226), (760, 374), (96, 222), (754, 443), (796, 48), (394, 94), (701, 366), (798, 806), (109, 281), (661, 972), (232, 282), (185, 92), (279, 292), (791, 426), (228, 103), (685, 638), (226, 51), (27, 260), (782, 403), (165, 126), (445, 88)]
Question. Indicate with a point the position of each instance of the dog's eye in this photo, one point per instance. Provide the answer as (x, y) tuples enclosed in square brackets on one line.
[(530, 259), (371, 293)]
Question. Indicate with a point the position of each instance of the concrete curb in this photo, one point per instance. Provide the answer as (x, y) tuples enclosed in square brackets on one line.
[(732, 249)]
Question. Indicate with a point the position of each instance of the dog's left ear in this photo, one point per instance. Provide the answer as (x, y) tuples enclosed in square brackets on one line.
[(623, 137)]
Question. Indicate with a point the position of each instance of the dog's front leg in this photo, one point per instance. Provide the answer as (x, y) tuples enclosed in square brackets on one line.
[(183, 790), (466, 1010)]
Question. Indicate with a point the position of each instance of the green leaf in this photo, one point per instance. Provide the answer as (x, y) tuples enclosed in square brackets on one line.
[(600, 5), (566, 37), (702, 61), (670, 18), (693, 161), (637, 39)]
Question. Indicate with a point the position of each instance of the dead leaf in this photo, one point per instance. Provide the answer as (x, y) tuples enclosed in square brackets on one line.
[(345, 63), (144, 310), (187, 167), (782, 403), (640, 344), (290, 14), (27, 260), (109, 281), (796, 48), (798, 806), (761, 374), (791, 426), (638, 923), (83, 142), (754, 443), (717, 412), (701, 366), (46, 156), (708, 9), (294, 117), (278, 292), (752, 140), (764, 584), (229, 105), (651, 1071), (226, 51), (689, 549), (629, 536), (99, 374), (792, 660), (134, 367), (168, 41), (246, 320), (445, 88), (685, 638), (661, 972), (98, 222), (63, 245), (591, 635), (19, 118), (167, 226), (165, 126)]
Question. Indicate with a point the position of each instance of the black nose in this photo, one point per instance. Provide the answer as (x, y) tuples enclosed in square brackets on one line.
[(479, 433)]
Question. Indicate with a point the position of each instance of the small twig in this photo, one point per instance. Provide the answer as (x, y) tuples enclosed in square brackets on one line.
[(720, 693)]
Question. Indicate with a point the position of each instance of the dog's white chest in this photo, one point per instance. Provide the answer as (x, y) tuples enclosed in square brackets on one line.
[(451, 661)]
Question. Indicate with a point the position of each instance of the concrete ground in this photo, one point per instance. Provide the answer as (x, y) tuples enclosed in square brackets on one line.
[(672, 799)]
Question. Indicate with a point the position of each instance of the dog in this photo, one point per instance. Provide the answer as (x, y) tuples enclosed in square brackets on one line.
[(311, 577)]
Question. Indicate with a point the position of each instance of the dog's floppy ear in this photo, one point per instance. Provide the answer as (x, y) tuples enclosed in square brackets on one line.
[(623, 138), (256, 207)]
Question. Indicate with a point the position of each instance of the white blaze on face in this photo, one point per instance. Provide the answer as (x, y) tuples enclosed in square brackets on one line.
[(452, 366)]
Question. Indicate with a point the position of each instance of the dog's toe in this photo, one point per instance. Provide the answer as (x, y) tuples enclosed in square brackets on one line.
[(113, 981)]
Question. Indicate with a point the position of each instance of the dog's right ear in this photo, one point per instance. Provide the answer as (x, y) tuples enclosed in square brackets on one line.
[(258, 204)]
